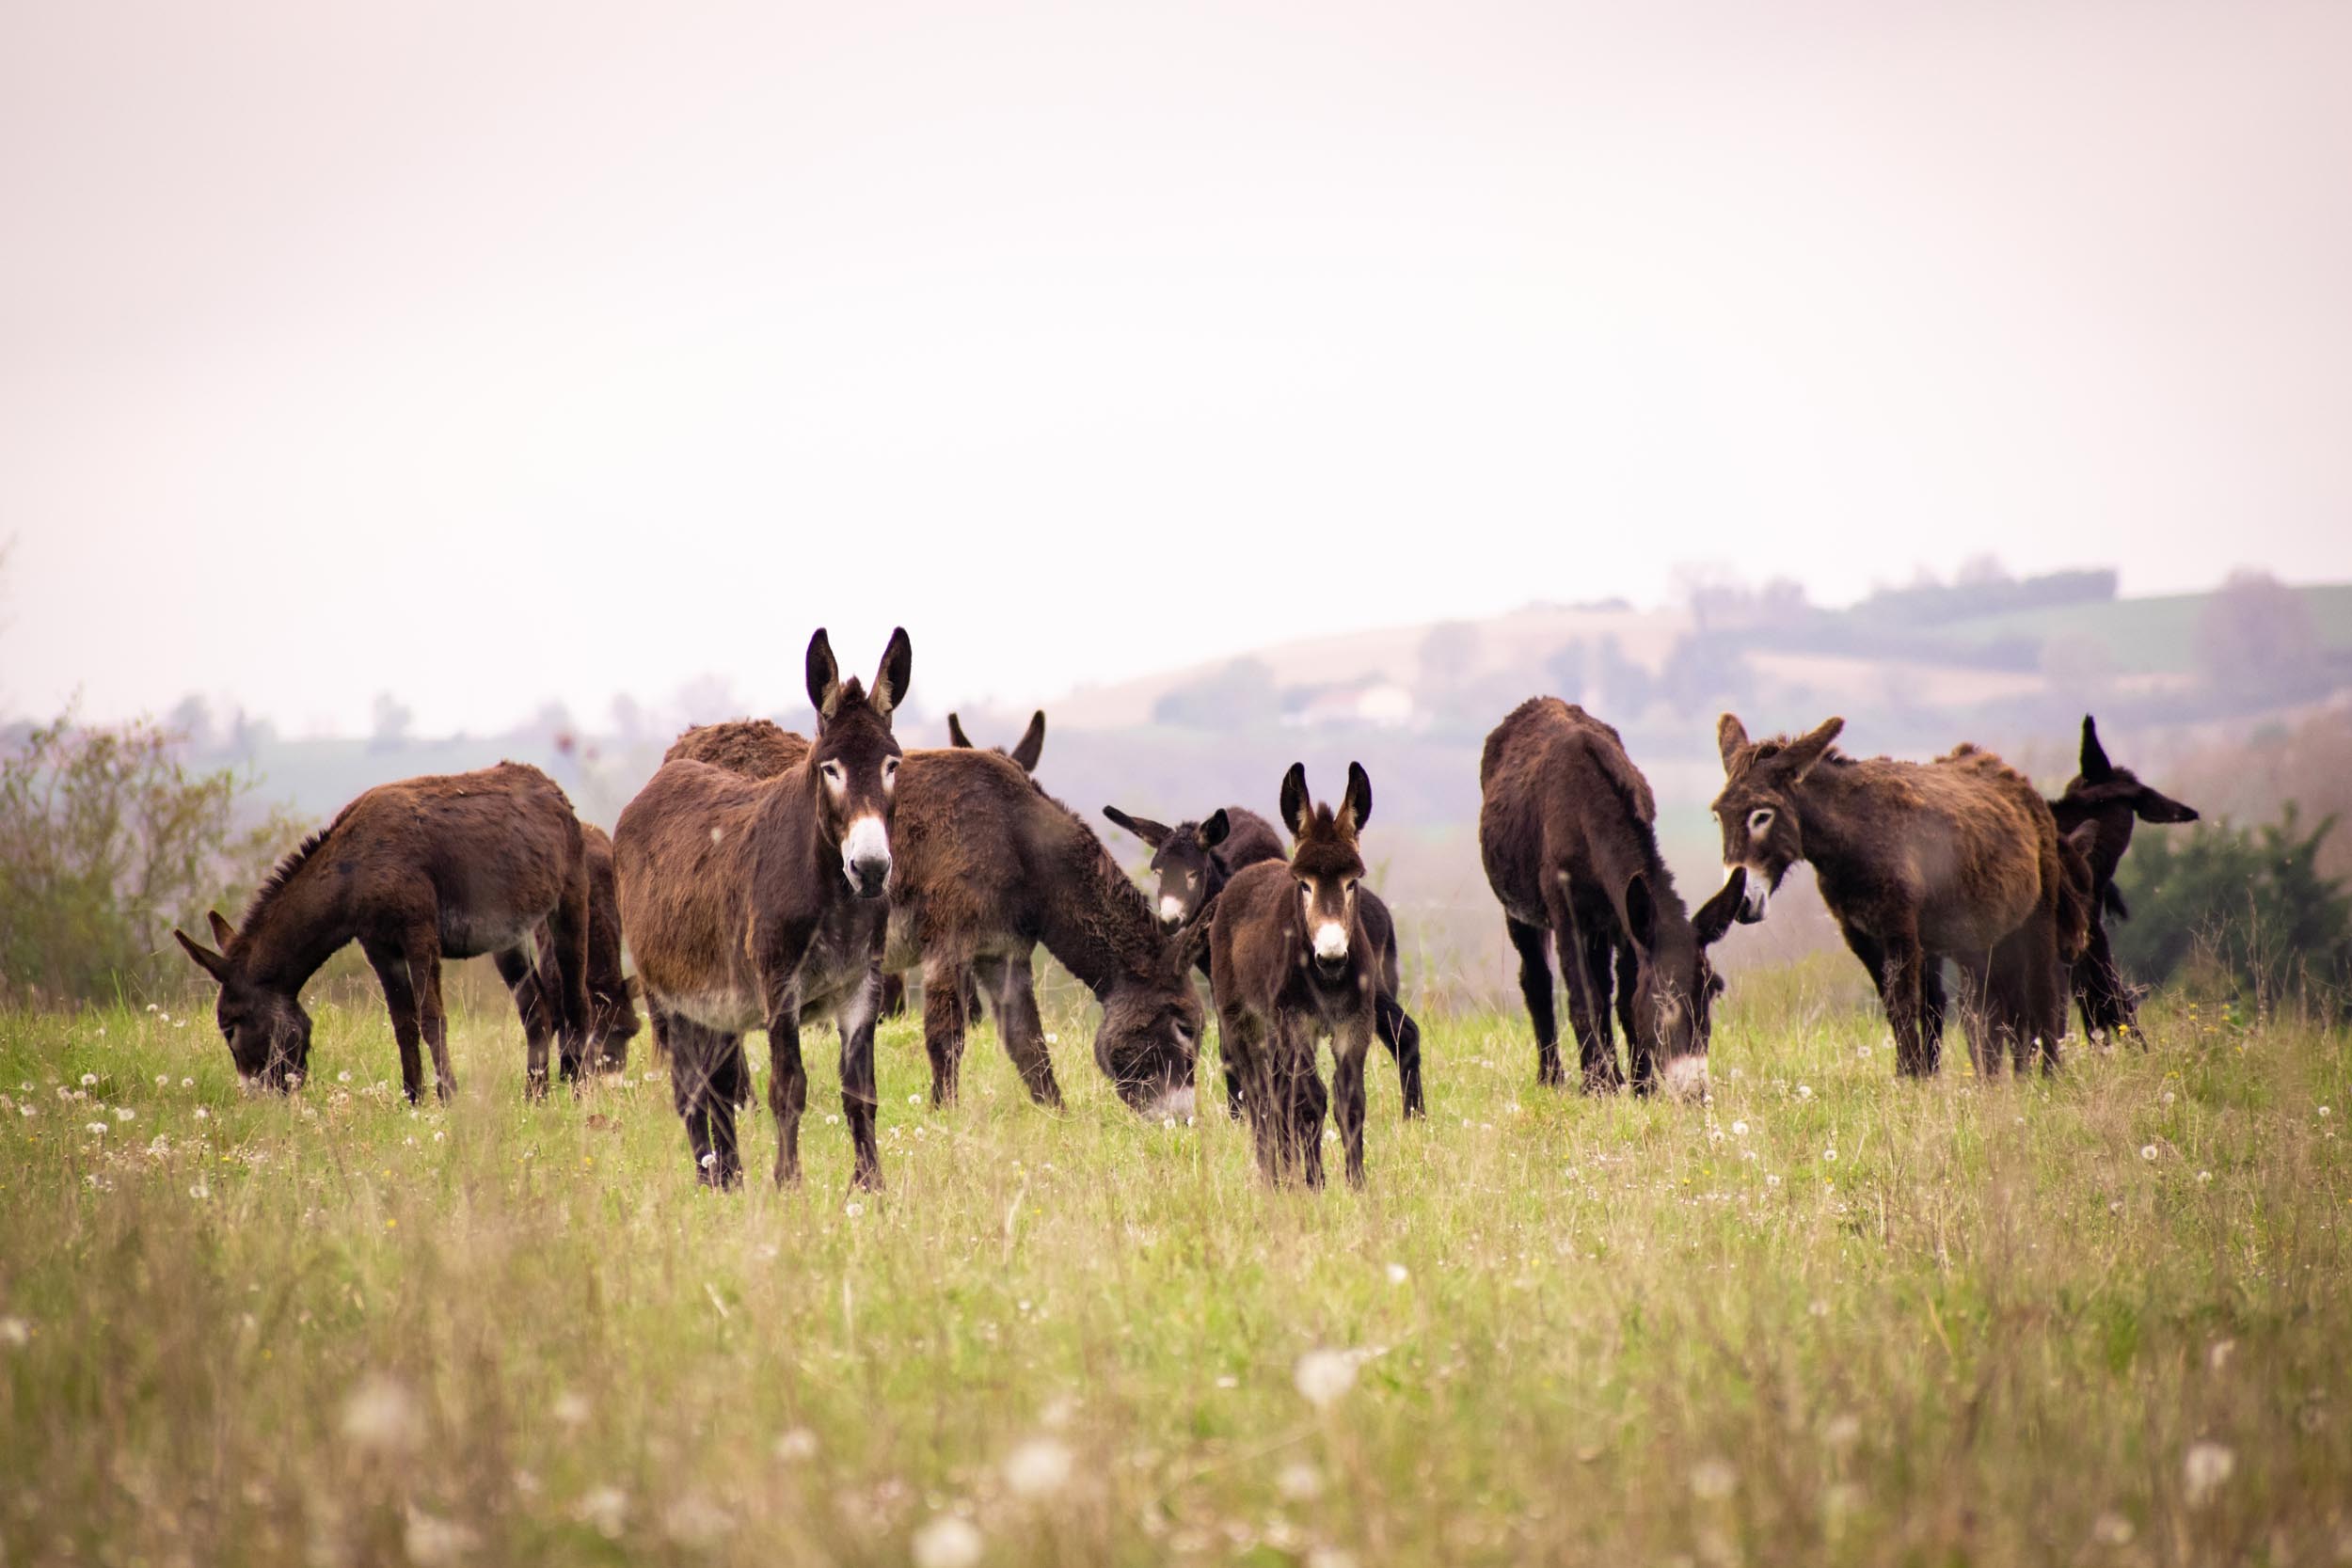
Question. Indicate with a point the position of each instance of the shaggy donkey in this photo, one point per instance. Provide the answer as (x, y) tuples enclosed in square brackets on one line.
[(1193, 860), (443, 866), (752, 902), (1290, 961), (1567, 829), (1958, 858), (2098, 809)]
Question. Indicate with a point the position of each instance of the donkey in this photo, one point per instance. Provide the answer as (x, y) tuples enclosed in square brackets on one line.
[(1290, 961), (448, 865), (1031, 747), (1958, 858), (1195, 860), (751, 902), (613, 1021), (1566, 827), (2098, 809)]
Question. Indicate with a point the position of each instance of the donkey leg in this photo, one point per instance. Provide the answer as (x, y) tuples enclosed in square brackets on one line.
[(530, 1003), (1899, 982), (1012, 983), (1588, 1007), (859, 1097), (945, 978), (1532, 942), (567, 928), (1931, 1010), (400, 1000), (1349, 1048), (423, 947), (1402, 1036), (1310, 1102), (691, 1051), (787, 1092), (730, 1085)]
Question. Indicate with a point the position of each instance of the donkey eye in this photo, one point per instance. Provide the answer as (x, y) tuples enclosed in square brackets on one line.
[(1759, 819), (1307, 888), (1192, 878)]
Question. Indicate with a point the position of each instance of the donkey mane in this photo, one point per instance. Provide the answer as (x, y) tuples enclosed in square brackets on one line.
[(285, 871), (1120, 920)]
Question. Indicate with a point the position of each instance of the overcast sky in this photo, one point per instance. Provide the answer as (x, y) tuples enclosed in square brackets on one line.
[(489, 353)]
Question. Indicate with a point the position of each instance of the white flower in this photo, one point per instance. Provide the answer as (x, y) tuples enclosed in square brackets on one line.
[(202, 1114), (948, 1541), (187, 1083), (2203, 1177), (1739, 1129), (1037, 1467), (1324, 1375), (1713, 1480), (15, 1333), (853, 1209), (343, 1078), (1805, 1091), (1299, 1482), (2324, 1112), (1399, 1274), (2147, 1151), (381, 1415), (1331, 1557), (604, 1511), (1770, 1181), (163, 1079), (125, 1113), (570, 1408), (795, 1446), (2203, 1469), (1830, 1156), (433, 1542), (89, 1080), (97, 1126)]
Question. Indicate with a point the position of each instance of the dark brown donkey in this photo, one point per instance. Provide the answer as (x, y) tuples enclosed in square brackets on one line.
[(613, 1021), (443, 866), (1291, 961), (1031, 747), (1917, 861), (752, 902), (1193, 862), (1567, 830), (2097, 810)]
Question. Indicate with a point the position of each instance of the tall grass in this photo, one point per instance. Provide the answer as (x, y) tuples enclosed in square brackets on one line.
[(2103, 1318)]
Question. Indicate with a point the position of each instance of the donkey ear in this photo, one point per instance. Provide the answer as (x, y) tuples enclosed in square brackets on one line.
[(1716, 915), (890, 681), (1805, 751), (1142, 827), (2153, 807), (1641, 912), (1731, 739), (224, 933), (1355, 805), (1185, 947), (1214, 828), (2095, 768), (824, 675), (206, 959), (1032, 743), (1296, 808), (955, 735)]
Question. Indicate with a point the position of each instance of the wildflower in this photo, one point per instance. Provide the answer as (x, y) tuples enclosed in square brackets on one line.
[(1829, 1156), (796, 1446), (2203, 1469), (382, 1415), (2147, 1151), (1739, 1129), (125, 1113), (202, 1114), (1299, 1482), (163, 1079), (1770, 1181), (1398, 1273), (1805, 1091), (1037, 1467), (343, 1077), (1229, 1381), (89, 1080), (97, 1126), (2203, 1177), (433, 1542), (604, 1511), (853, 1209), (570, 1408), (948, 1541), (1324, 1375), (15, 1333), (187, 1083), (2324, 1112), (1713, 1480)]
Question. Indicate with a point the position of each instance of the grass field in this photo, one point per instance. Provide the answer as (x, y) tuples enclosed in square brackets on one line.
[(1833, 1318)]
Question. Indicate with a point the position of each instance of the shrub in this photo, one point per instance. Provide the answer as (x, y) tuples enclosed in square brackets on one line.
[(106, 841)]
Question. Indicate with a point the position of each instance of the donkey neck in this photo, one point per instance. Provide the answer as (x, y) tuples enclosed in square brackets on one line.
[(1832, 814), (300, 924), (1093, 919)]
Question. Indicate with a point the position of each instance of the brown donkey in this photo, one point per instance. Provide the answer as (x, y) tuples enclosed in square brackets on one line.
[(1193, 860), (2098, 809), (1917, 861), (613, 1021), (1566, 827), (752, 902), (443, 866), (1290, 961)]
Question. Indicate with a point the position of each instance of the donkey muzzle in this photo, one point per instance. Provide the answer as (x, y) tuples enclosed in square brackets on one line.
[(865, 857)]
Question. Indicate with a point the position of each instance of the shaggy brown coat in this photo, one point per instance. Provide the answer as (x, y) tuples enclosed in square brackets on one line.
[(1567, 829), (613, 1021), (2098, 810), (1958, 858), (443, 866)]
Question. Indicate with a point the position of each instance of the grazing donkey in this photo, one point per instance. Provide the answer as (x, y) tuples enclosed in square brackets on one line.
[(1566, 827), (1917, 861), (443, 866), (1031, 748), (2097, 810), (1290, 961), (1193, 860), (752, 902), (613, 1021)]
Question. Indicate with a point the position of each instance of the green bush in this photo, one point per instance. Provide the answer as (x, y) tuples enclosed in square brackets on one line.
[(108, 839), (2243, 909)]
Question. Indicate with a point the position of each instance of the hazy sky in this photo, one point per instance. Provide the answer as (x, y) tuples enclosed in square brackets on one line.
[(495, 353)]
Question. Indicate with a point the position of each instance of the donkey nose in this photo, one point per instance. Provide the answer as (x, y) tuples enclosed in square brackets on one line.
[(1331, 942), (1171, 913), (865, 857), (1686, 1079)]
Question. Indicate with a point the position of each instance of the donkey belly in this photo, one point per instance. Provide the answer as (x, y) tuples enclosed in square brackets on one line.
[(471, 933)]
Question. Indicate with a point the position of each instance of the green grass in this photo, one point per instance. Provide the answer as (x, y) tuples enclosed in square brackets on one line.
[(1990, 1330)]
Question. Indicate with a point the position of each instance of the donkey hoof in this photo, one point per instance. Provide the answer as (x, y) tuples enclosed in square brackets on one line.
[(534, 1088)]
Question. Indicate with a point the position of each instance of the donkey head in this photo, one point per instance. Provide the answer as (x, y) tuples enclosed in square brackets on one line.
[(1180, 858), (856, 758), (1032, 745), (1149, 1042), (2111, 797), (1762, 833), (1327, 866), (1675, 986), (267, 1031)]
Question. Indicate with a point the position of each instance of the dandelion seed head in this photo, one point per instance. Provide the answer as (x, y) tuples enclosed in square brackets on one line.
[(2204, 1469), (948, 1541), (1037, 1467), (2148, 1152), (1324, 1377), (1298, 1481), (381, 1416)]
